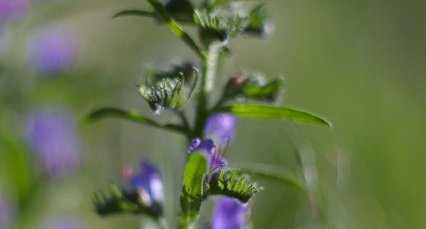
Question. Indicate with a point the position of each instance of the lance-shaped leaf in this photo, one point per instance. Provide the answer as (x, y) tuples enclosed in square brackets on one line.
[(131, 116), (260, 111), (232, 183), (192, 190), (119, 201), (253, 86), (164, 93), (135, 12)]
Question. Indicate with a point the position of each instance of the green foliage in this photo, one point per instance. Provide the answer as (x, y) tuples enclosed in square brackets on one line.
[(213, 28), (232, 183), (216, 21), (193, 178), (167, 89), (135, 12), (164, 93), (125, 201), (260, 111), (252, 86), (131, 116)]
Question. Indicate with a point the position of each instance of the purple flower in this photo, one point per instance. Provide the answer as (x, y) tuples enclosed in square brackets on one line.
[(12, 9), (215, 158), (7, 212), (52, 50), (62, 223), (220, 127), (229, 214), (148, 182), (52, 137)]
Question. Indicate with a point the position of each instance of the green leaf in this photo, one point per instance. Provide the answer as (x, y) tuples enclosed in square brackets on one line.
[(260, 111), (131, 116), (254, 86), (175, 27), (193, 178), (134, 12), (273, 172), (232, 183)]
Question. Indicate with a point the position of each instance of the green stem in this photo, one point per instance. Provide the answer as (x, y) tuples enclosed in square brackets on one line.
[(209, 69)]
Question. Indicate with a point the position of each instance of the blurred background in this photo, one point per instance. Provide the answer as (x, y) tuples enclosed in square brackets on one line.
[(359, 63)]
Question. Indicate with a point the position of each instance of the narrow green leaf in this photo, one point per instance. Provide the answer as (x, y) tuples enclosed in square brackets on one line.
[(273, 172), (132, 12), (192, 190), (260, 111), (131, 116), (175, 27)]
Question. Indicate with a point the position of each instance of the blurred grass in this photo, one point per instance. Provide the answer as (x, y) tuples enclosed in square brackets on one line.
[(360, 63)]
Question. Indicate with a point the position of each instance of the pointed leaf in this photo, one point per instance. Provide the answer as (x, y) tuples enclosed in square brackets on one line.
[(131, 116), (193, 177), (260, 111), (134, 12)]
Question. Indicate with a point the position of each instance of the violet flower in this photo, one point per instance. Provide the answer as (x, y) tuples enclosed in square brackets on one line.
[(52, 50), (214, 157), (229, 214), (148, 183), (12, 9), (52, 137), (220, 127), (7, 212), (62, 223)]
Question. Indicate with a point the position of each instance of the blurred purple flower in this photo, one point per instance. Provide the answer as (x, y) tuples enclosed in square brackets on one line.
[(11, 9), (52, 136), (220, 127), (52, 50), (7, 212), (215, 158), (148, 182), (62, 223), (229, 214)]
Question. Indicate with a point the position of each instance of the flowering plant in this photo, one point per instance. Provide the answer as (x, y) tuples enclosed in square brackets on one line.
[(207, 125)]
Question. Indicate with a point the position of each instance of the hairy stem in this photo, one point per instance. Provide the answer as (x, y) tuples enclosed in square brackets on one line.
[(209, 69)]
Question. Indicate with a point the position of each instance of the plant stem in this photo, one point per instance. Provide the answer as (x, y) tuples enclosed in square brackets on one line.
[(209, 69)]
